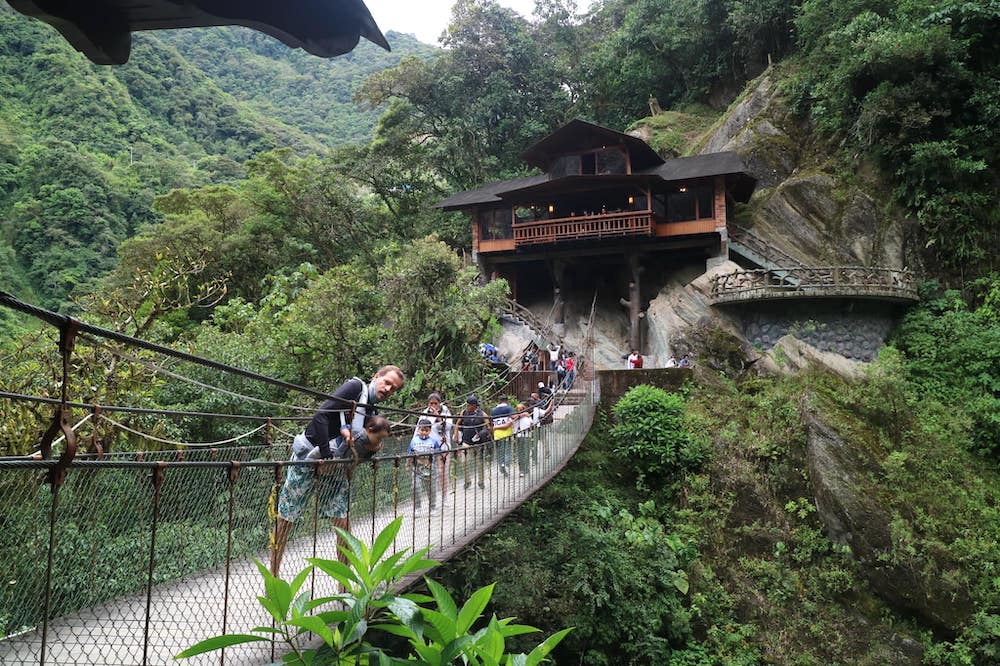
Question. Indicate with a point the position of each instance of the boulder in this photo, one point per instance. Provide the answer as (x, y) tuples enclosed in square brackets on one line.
[(753, 128), (683, 305)]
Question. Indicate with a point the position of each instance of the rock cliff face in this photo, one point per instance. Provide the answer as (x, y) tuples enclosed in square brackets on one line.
[(801, 206), (848, 503)]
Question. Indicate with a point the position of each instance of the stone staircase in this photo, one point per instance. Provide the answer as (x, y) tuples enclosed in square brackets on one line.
[(759, 252)]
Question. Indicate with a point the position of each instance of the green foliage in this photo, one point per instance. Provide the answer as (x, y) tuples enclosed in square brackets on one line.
[(437, 636), (953, 355), (591, 551), (913, 84), (650, 434)]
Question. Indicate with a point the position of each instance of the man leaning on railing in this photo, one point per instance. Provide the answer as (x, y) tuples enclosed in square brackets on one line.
[(352, 410)]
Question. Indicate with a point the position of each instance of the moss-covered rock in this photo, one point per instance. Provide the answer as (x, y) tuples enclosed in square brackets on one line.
[(855, 515)]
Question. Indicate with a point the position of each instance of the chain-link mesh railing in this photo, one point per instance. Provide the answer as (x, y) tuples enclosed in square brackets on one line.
[(135, 557)]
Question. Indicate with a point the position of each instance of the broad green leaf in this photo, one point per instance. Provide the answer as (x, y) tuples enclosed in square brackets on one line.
[(272, 608), (335, 616), (316, 603), (395, 630), (385, 570), (219, 642), (443, 626), (408, 613), (315, 625), (385, 539), (299, 580), (680, 581), (473, 608), (353, 546), (455, 648), (445, 603), (336, 569), (537, 656)]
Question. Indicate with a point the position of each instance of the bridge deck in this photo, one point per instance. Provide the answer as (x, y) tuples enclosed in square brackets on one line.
[(199, 604)]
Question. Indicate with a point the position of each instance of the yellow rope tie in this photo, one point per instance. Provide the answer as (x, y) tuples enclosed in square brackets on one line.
[(272, 505)]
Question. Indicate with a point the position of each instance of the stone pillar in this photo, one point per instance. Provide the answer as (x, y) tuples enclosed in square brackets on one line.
[(633, 302)]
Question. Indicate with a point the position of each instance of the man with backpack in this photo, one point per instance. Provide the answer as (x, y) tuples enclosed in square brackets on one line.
[(471, 429)]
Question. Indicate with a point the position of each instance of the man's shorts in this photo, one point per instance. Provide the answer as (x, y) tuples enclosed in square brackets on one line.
[(300, 484)]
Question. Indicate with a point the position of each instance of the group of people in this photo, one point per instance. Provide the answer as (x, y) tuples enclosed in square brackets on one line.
[(439, 431), (347, 427), (553, 360), (634, 361)]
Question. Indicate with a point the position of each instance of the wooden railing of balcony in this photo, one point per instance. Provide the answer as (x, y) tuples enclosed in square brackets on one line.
[(631, 223)]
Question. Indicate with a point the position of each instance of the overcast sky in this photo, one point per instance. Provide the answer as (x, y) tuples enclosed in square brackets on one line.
[(426, 19)]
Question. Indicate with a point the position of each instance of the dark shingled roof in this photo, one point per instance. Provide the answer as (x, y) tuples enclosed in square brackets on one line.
[(682, 168), (583, 135), (488, 193), (102, 29), (698, 166)]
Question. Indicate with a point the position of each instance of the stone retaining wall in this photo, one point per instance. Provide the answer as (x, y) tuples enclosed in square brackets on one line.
[(855, 330), (615, 383)]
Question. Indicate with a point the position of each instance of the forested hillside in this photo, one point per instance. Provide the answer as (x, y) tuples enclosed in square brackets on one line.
[(218, 193), (84, 149)]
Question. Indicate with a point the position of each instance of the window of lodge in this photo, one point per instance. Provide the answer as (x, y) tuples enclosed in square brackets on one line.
[(598, 162), (695, 202), (495, 224)]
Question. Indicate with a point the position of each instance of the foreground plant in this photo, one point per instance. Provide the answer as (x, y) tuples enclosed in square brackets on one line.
[(437, 636)]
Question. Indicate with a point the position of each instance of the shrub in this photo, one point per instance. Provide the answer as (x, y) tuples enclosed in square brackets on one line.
[(650, 433)]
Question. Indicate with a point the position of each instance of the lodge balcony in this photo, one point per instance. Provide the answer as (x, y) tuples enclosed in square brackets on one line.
[(633, 223)]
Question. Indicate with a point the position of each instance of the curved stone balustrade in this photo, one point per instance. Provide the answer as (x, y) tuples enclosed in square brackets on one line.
[(887, 284)]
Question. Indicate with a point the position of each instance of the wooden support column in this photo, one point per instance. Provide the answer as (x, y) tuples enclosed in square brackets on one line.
[(634, 301), (558, 271)]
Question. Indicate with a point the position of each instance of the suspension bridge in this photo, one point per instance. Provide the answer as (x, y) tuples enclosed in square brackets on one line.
[(129, 558)]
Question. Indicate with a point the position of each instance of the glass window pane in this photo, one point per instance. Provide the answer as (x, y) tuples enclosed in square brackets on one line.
[(680, 206), (611, 161), (568, 165), (706, 202)]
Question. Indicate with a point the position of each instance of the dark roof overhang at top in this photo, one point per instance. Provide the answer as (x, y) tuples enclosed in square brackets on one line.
[(573, 184), (727, 164), (102, 29), (580, 135), (488, 194)]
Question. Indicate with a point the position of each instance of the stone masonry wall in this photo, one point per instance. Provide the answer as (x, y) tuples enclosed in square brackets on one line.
[(854, 330)]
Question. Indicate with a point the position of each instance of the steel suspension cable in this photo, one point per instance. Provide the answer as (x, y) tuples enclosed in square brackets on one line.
[(174, 375), (61, 321), (146, 410)]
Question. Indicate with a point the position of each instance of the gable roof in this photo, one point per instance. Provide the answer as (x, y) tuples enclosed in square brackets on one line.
[(578, 135), (102, 29)]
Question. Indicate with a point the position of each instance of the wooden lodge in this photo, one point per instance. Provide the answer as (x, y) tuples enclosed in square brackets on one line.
[(603, 201)]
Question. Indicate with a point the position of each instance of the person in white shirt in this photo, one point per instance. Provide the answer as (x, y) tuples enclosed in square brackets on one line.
[(523, 436), (672, 361)]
